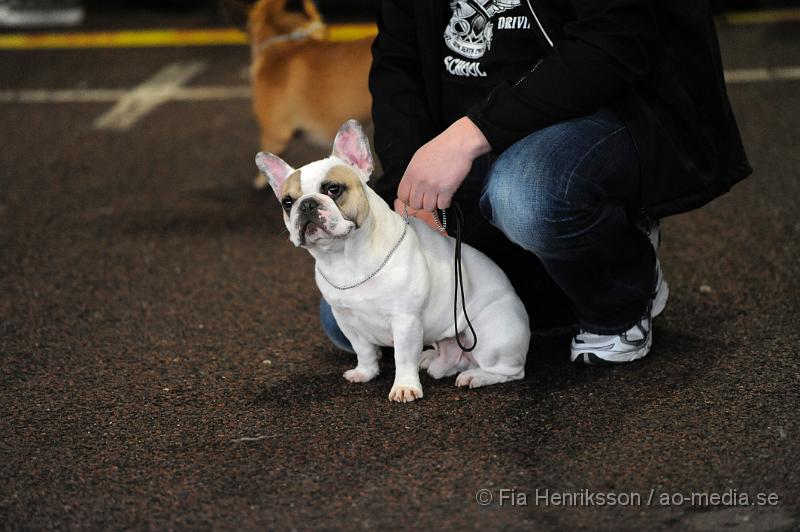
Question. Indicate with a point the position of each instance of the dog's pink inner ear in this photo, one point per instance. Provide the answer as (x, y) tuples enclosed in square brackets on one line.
[(351, 144), (275, 169)]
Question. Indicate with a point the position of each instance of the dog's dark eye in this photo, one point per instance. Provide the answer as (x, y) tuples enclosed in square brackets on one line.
[(287, 203), (334, 191)]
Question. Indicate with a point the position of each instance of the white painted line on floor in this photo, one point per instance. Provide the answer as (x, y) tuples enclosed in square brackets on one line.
[(182, 94), (148, 95), (752, 75), (168, 84), (62, 96), (189, 94)]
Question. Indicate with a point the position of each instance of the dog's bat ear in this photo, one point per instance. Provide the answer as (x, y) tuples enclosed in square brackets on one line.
[(352, 146), (276, 170)]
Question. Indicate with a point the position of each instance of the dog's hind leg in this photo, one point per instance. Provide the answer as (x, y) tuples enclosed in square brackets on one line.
[(427, 357), (503, 340), (477, 377)]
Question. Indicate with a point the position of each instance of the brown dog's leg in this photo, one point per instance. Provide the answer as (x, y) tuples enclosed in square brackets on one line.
[(271, 143), (275, 141)]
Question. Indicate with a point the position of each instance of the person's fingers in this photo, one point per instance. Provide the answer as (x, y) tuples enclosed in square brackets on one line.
[(405, 209), (443, 201), (429, 201), (415, 198), (404, 190)]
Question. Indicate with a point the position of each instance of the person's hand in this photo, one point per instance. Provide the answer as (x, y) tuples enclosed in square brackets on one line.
[(426, 216), (439, 167)]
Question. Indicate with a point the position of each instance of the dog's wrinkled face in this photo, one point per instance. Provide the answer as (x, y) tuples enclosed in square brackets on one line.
[(324, 200), (321, 201)]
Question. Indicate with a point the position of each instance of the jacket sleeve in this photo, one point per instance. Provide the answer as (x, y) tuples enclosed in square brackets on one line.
[(400, 110), (603, 53)]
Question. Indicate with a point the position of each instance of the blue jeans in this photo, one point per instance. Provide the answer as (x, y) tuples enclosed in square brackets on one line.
[(557, 212), (331, 328)]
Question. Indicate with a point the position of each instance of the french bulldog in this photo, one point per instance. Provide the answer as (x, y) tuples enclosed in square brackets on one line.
[(390, 279)]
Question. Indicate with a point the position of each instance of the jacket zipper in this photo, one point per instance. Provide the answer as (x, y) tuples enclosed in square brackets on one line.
[(529, 72), (546, 36), (539, 23)]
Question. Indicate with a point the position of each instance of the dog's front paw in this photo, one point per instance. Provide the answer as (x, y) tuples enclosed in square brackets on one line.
[(402, 393), (359, 374)]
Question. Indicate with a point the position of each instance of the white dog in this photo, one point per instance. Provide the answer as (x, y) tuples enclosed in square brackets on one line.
[(390, 281)]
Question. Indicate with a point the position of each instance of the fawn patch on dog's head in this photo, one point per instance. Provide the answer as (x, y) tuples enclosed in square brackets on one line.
[(348, 194)]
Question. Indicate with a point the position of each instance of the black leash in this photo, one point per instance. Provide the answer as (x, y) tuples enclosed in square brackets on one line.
[(459, 284)]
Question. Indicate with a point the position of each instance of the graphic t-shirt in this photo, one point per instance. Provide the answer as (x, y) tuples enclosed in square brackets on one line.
[(485, 43)]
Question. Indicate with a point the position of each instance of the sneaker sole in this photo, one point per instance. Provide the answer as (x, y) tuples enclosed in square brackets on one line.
[(609, 359)]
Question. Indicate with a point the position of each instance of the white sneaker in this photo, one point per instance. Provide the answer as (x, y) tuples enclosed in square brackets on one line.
[(651, 228), (633, 344)]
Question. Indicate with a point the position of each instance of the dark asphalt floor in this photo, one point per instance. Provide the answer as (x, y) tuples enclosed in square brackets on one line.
[(154, 316)]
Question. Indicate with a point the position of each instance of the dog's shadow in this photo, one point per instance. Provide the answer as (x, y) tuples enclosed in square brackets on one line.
[(307, 390), (548, 370)]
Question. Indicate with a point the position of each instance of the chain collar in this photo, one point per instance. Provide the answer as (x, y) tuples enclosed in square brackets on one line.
[(379, 268)]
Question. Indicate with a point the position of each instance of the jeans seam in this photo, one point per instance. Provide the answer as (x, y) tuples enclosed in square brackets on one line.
[(585, 155)]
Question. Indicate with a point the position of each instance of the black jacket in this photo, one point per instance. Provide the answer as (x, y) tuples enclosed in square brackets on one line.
[(655, 62)]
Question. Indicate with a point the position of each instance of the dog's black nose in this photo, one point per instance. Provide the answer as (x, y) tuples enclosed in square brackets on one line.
[(308, 206)]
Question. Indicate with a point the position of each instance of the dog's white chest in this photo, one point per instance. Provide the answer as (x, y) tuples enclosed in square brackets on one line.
[(373, 324)]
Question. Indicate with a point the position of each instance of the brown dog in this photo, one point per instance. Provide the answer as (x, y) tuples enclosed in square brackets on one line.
[(300, 80)]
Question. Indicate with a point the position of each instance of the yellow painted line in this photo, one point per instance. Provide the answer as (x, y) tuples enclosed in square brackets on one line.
[(231, 36), (122, 39), (766, 16), (351, 32), (156, 38)]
